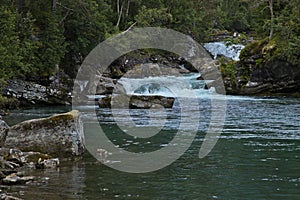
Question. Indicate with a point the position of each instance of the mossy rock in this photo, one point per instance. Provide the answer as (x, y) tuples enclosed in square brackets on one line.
[(59, 135), (254, 48)]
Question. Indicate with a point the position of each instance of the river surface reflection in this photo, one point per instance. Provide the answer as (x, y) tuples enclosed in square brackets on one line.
[(256, 157)]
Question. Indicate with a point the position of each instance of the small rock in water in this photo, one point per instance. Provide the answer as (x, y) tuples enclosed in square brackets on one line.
[(14, 179), (48, 163), (7, 197)]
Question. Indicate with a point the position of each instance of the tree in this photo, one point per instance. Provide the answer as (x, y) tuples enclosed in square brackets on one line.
[(29, 44), (10, 58), (86, 24), (153, 17), (271, 19)]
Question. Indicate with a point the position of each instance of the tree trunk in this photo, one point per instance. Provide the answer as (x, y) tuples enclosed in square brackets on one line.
[(118, 7), (272, 20), (120, 15), (54, 4), (127, 10)]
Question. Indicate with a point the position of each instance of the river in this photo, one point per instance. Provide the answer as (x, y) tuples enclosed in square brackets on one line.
[(256, 157)]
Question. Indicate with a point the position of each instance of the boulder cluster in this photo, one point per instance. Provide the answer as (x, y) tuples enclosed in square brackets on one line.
[(38, 144)]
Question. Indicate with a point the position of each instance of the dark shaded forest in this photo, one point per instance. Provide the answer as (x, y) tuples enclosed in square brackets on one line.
[(39, 37)]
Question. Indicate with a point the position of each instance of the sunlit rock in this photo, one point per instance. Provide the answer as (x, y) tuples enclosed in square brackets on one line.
[(59, 135)]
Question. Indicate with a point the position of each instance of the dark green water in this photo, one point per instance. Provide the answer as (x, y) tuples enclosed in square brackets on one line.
[(256, 157)]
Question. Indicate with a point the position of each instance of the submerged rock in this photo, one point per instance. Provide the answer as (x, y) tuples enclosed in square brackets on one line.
[(59, 135)]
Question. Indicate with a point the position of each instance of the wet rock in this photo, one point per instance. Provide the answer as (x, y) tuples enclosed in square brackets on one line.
[(136, 101), (29, 93), (34, 157), (105, 102), (47, 163), (59, 135), (14, 179), (3, 131), (14, 155), (14, 158), (8, 197), (2, 175), (105, 86), (151, 101), (152, 70)]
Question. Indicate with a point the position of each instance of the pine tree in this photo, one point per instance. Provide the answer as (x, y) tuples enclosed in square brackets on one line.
[(10, 58)]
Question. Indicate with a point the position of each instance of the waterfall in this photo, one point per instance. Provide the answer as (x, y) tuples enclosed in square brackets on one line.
[(222, 48), (169, 86)]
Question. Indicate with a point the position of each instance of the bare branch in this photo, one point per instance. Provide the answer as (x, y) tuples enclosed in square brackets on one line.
[(70, 9), (66, 15), (130, 27)]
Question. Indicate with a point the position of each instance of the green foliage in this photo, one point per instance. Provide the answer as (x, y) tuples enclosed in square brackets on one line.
[(234, 15), (52, 47), (10, 58), (153, 17), (8, 103), (253, 48), (28, 44), (37, 36), (86, 25), (288, 32), (228, 69)]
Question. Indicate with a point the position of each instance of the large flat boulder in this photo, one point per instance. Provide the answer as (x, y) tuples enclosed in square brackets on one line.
[(59, 135), (136, 101)]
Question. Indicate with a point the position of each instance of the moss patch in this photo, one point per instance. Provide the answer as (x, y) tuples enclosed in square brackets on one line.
[(8, 103)]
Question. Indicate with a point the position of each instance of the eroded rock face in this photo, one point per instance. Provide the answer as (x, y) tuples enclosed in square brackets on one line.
[(59, 135), (29, 93), (153, 70)]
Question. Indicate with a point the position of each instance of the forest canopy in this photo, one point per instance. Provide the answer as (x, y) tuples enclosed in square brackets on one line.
[(39, 36)]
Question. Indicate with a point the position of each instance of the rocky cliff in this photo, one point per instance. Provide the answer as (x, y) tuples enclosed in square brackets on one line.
[(262, 70)]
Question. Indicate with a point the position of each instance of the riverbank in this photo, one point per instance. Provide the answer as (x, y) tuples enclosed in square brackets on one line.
[(261, 71)]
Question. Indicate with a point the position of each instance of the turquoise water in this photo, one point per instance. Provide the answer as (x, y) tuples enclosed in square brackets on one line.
[(256, 157)]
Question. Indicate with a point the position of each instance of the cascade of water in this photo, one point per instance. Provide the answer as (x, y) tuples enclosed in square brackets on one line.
[(82, 84), (221, 48), (168, 86)]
